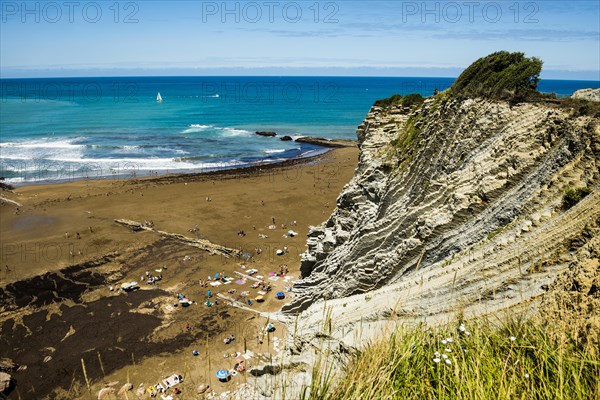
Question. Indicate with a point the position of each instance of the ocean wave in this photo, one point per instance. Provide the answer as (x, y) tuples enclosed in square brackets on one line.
[(129, 149), (44, 143), (224, 131), (197, 128), (41, 148), (235, 132), (275, 151)]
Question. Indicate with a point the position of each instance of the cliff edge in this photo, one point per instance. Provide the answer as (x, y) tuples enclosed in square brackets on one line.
[(459, 205)]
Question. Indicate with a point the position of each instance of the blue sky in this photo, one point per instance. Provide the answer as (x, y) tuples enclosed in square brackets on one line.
[(364, 38)]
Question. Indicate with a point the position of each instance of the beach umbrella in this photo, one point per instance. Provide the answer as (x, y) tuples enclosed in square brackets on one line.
[(280, 295), (222, 374)]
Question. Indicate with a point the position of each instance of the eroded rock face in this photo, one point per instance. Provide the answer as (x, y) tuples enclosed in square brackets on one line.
[(587, 94), (470, 170)]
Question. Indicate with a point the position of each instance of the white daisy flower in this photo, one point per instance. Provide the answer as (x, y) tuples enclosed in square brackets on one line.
[(448, 362), (512, 338), (436, 360)]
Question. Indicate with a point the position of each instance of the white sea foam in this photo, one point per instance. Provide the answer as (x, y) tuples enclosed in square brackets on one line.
[(43, 143), (235, 132), (197, 128), (53, 159), (41, 149), (129, 149), (274, 151)]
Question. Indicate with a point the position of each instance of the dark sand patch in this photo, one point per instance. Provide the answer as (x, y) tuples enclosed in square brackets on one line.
[(104, 326)]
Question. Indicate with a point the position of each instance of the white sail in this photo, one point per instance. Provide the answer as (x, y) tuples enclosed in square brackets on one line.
[(159, 98)]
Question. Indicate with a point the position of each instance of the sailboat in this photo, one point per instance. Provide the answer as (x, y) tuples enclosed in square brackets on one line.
[(158, 98)]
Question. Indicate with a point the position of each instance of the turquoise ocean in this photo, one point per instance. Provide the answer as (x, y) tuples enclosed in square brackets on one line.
[(71, 128)]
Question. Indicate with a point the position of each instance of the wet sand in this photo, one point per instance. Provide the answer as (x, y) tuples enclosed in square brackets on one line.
[(54, 296)]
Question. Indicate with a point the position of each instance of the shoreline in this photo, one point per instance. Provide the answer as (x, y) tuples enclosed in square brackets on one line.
[(249, 168), (67, 191)]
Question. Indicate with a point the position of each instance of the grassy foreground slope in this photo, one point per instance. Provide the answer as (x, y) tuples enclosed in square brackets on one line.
[(467, 360)]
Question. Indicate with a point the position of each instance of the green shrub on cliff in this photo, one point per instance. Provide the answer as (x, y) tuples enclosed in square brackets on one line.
[(410, 100), (501, 75), (573, 196), (392, 100)]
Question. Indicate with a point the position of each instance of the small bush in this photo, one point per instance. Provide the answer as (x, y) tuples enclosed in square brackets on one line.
[(573, 196), (501, 75), (395, 99), (413, 99)]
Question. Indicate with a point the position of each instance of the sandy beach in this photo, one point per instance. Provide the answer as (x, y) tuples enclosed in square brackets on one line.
[(62, 250)]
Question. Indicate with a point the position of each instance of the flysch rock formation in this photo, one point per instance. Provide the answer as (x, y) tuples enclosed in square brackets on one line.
[(480, 178), (455, 208)]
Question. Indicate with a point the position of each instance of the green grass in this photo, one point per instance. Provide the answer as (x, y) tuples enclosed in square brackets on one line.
[(515, 360), (402, 147)]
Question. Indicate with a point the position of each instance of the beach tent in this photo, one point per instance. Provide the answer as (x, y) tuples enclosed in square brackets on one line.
[(222, 374), (259, 298)]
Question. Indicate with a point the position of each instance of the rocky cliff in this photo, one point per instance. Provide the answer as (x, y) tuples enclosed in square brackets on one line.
[(459, 198), (457, 208)]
